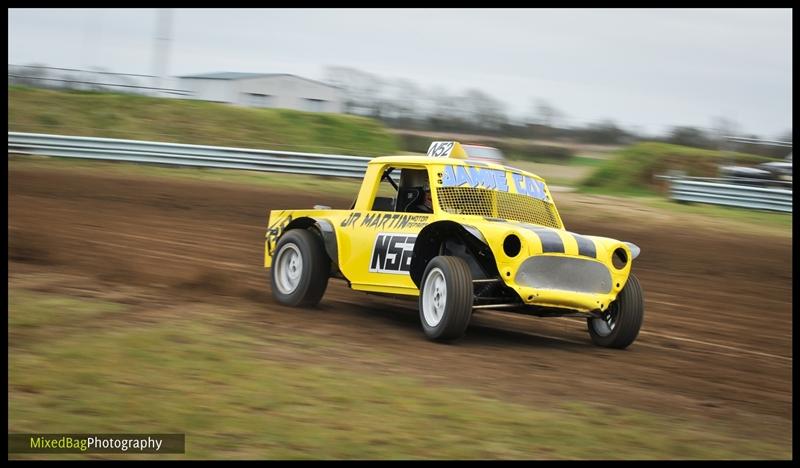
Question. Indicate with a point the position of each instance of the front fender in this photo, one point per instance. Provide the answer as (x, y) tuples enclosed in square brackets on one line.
[(431, 238), (557, 258)]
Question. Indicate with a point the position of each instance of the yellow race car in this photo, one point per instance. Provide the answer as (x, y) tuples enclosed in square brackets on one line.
[(459, 235)]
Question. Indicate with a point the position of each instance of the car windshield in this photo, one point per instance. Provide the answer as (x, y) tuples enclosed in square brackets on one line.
[(493, 193)]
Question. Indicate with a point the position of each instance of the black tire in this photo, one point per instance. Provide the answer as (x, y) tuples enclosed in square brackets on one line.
[(627, 313), (311, 282), (456, 312)]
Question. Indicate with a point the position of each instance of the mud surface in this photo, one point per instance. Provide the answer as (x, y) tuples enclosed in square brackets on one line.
[(716, 340)]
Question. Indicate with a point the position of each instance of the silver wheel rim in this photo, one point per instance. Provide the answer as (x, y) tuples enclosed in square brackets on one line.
[(434, 297), (288, 268), (605, 325)]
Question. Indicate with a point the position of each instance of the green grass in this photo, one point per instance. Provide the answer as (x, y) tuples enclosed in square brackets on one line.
[(630, 174), (586, 161), (240, 391), (194, 122), (632, 169), (32, 310)]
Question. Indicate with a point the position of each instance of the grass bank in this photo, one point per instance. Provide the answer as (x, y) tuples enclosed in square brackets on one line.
[(631, 170), (135, 117)]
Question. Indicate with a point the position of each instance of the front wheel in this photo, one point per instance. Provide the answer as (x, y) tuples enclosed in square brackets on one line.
[(619, 326), (445, 298)]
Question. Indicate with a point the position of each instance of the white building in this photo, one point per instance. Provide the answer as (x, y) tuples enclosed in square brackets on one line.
[(277, 90)]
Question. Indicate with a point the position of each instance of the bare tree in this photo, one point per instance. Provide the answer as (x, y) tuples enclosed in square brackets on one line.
[(405, 96), (361, 89), (723, 127), (786, 136), (690, 136), (443, 104), (35, 75), (483, 110), (343, 78), (546, 114)]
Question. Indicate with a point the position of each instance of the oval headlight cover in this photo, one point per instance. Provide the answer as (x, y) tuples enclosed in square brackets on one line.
[(635, 250)]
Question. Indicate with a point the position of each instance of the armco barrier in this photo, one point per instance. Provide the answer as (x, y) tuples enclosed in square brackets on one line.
[(686, 189), (724, 192), (187, 155)]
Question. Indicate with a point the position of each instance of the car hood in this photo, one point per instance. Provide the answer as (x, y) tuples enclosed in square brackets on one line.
[(540, 239)]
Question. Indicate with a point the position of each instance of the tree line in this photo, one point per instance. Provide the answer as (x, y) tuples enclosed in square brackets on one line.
[(403, 104)]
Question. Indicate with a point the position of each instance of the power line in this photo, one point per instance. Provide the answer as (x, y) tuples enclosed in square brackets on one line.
[(43, 67), (165, 90)]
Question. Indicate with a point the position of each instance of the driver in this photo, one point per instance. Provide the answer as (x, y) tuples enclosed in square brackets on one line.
[(417, 179), (425, 204)]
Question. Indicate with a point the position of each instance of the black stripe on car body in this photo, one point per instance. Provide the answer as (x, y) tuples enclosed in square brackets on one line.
[(551, 241), (585, 246)]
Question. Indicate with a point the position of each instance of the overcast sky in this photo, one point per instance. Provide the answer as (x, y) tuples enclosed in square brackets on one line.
[(646, 68)]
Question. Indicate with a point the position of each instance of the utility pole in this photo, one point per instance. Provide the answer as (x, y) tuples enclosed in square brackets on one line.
[(161, 55), (85, 75)]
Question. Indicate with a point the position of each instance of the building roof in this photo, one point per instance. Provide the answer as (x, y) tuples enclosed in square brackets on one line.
[(247, 76)]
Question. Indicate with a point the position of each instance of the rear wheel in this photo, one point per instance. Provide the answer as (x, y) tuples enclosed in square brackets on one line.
[(620, 323), (445, 299), (300, 269)]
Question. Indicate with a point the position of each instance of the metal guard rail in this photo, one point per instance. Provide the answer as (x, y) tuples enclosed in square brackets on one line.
[(713, 191), (187, 155), (723, 192)]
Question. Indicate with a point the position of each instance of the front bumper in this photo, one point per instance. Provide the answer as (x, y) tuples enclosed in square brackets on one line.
[(576, 283)]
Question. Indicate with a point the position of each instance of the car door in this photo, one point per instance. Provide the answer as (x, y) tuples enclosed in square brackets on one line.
[(380, 240)]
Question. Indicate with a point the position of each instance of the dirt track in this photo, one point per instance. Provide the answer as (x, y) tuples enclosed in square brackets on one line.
[(716, 339)]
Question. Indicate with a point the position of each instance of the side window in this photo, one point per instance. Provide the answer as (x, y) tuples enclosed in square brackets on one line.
[(405, 190), (386, 195)]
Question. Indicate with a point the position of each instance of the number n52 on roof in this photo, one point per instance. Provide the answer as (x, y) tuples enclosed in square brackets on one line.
[(446, 149)]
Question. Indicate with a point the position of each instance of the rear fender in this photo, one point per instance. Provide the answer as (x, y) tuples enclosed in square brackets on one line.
[(322, 227)]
